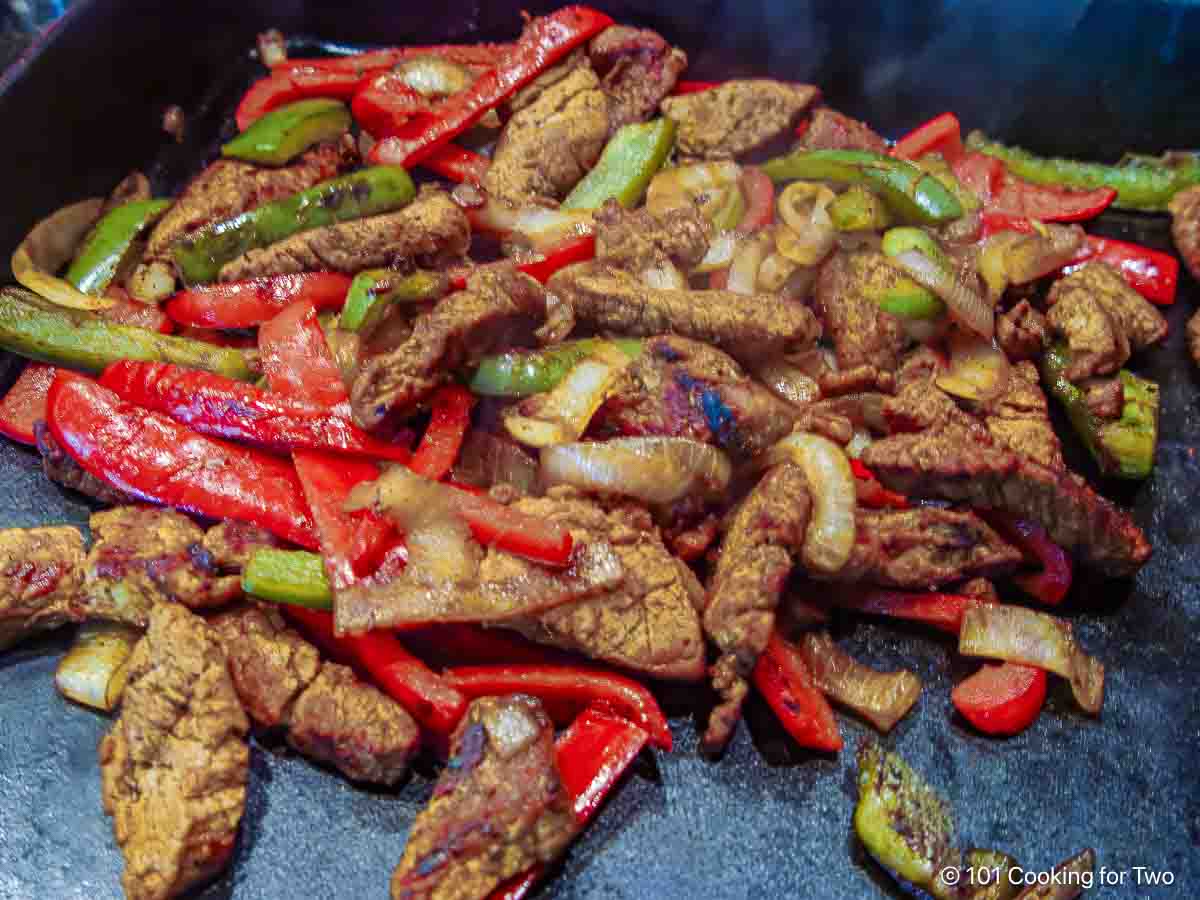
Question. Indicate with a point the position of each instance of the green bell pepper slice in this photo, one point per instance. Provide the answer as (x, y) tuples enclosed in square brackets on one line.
[(109, 243), (521, 373), (372, 291), (629, 161), (367, 192), (859, 209), (904, 297), (911, 194), (284, 133), (288, 576)]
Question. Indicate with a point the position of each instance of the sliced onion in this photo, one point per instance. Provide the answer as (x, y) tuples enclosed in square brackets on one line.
[(664, 276), (656, 470), (966, 306), (979, 370), (807, 234), (882, 698), (50, 246), (94, 670), (432, 76), (859, 442), (538, 228), (1020, 635), (749, 256), (789, 382), (1031, 256), (830, 536), (774, 273), (706, 186), (720, 252)]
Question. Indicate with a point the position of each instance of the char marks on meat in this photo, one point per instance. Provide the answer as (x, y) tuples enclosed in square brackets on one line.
[(637, 69), (431, 231), (648, 623), (499, 807), (174, 766), (499, 307), (1185, 227), (736, 117), (754, 563), (862, 333), (40, 573), (1022, 332), (329, 714), (635, 240), (747, 327), (832, 130)]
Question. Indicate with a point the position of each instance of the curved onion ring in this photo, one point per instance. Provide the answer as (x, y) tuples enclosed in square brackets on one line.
[(979, 370), (49, 246), (655, 470), (830, 536), (94, 670), (966, 307), (743, 271)]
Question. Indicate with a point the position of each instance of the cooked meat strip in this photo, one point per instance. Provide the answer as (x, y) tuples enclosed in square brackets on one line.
[(547, 146), (1185, 227), (687, 389), (230, 544), (832, 130), (40, 573), (919, 365), (329, 714), (61, 469), (1019, 419), (747, 327), (142, 557), (1105, 397), (499, 806), (925, 548), (635, 240), (637, 69), (736, 117), (649, 622), (431, 230), (751, 570), (954, 463), (862, 333), (856, 380), (1193, 336), (174, 766), (1022, 332), (498, 306), (922, 404), (1102, 318)]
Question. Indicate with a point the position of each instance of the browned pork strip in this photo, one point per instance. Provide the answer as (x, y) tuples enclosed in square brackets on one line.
[(499, 806), (429, 231), (862, 333), (40, 573), (174, 766), (736, 117), (832, 130), (1185, 227), (637, 70)]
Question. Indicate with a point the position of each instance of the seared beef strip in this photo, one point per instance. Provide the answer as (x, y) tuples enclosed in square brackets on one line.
[(143, 556), (955, 463), (1105, 397), (431, 230), (498, 305), (1102, 318), (736, 116), (230, 544), (1022, 332), (499, 806), (1193, 336), (61, 469), (649, 623), (832, 130), (753, 565), (40, 573), (174, 766), (637, 70), (329, 714), (549, 145), (862, 333), (925, 548), (687, 389), (747, 327), (635, 240), (1185, 227), (1019, 418)]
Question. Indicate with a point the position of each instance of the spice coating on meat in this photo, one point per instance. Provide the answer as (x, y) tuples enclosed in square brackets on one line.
[(142, 557), (230, 544), (832, 130), (861, 332), (637, 69), (748, 327), (40, 573), (1019, 418), (497, 305), (736, 116), (174, 766), (1185, 227), (635, 240), (1022, 332), (499, 806), (1102, 318), (683, 388), (271, 664), (649, 622), (549, 145), (431, 230)]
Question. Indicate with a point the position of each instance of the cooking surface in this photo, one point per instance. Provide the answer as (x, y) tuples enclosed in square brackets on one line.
[(767, 819)]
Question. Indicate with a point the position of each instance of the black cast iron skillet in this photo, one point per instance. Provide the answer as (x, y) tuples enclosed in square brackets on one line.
[(1090, 79)]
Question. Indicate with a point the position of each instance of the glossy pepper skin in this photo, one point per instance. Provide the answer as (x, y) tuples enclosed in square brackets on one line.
[(941, 134), (367, 192), (288, 576), (629, 161), (1001, 699), (1050, 585), (784, 681), (374, 290), (110, 242), (25, 403), (444, 435), (151, 457), (286, 132), (569, 252), (939, 610), (1003, 192), (245, 304), (82, 340), (521, 373)]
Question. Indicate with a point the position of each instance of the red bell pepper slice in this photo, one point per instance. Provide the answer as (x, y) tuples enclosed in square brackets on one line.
[(296, 359), (1003, 192), (156, 459), (473, 56), (244, 304), (784, 681), (941, 134), (287, 85), (25, 403), (942, 611), (494, 524), (457, 643), (458, 164), (566, 689), (431, 699), (759, 191), (384, 103), (221, 407), (693, 87), (872, 493), (569, 252), (1053, 582), (1001, 699), (544, 42), (444, 435)]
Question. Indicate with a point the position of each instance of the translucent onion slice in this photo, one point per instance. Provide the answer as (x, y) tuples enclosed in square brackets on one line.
[(709, 187), (50, 246), (830, 536), (664, 276), (967, 307), (748, 258), (789, 382), (720, 252), (882, 698), (656, 470), (538, 228), (979, 370), (95, 668)]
